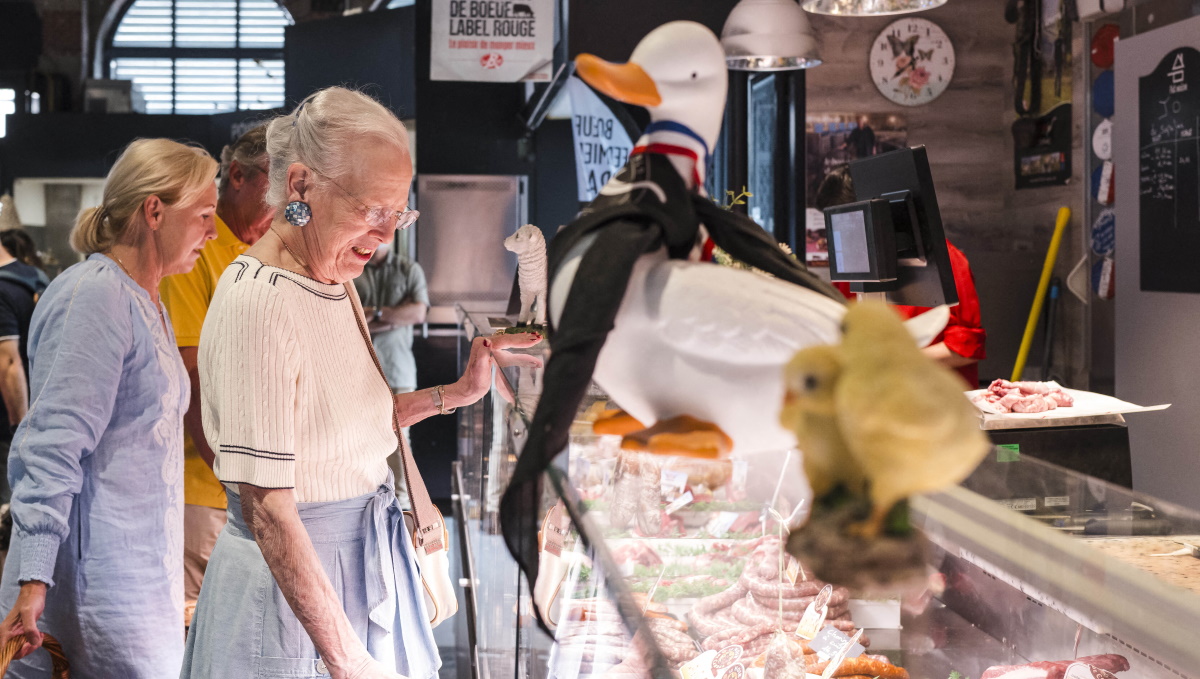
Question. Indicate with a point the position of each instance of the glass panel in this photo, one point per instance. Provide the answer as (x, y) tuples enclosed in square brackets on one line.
[(262, 23), (205, 23), (8, 106), (146, 24), (261, 84), (205, 85), (152, 76)]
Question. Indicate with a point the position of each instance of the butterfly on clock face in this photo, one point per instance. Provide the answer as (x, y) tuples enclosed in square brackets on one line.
[(912, 61)]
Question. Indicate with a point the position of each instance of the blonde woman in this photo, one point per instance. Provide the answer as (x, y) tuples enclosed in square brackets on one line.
[(314, 574), (97, 464)]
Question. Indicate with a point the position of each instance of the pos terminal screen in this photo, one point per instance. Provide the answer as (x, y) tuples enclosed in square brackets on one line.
[(849, 232)]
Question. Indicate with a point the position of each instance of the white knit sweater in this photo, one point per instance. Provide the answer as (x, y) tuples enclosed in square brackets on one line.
[(290, 395)]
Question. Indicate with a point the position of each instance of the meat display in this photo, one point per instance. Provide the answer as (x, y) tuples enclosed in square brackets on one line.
[(762, 602), (1110, 662), (1003, 396)]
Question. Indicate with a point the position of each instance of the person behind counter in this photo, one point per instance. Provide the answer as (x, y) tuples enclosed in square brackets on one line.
[(306, 577), (242, 218), (97, 464), (962, 344)]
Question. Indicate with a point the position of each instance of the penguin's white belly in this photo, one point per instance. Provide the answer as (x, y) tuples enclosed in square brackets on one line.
[(707, 341)]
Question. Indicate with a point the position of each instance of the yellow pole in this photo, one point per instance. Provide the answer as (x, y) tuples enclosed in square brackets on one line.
[(1060, 225)]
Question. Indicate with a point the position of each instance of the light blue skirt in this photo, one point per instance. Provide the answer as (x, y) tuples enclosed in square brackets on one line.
[(243, 626)]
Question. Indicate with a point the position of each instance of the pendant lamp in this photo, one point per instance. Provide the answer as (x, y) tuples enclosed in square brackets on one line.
[(769, 35), (862, 8)]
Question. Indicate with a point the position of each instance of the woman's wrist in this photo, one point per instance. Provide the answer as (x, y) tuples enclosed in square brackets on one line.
[(455, 396)]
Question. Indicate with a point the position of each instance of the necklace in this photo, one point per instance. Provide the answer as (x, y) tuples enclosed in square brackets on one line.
[(122, 265), (289, 250), (124, 268)]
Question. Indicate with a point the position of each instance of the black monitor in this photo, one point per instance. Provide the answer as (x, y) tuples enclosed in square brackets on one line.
[(891, 241)]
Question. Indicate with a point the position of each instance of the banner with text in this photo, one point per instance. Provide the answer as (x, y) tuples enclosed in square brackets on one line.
[(601, 144), (492, 40)]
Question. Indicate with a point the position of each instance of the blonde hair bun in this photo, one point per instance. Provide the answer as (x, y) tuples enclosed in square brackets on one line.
[(172, 171)]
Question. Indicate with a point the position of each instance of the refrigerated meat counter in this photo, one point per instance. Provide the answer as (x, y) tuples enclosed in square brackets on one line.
[(676, 567)]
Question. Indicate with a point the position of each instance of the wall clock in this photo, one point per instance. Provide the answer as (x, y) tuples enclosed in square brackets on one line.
[(912, 61)]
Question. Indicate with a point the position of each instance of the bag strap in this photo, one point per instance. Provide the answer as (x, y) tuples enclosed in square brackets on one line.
[(429, 533)]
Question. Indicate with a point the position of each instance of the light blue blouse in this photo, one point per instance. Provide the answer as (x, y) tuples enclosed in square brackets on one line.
[(96, 469)]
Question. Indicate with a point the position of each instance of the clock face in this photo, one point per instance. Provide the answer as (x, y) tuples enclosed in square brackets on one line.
[(912, 61)]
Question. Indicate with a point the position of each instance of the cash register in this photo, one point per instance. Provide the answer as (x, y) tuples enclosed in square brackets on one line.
[(890, 245)]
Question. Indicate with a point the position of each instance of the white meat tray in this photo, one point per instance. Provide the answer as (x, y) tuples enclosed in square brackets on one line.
[(1089, 408)]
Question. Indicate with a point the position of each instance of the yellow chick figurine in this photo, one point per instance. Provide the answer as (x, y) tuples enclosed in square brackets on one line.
[(878, 418)]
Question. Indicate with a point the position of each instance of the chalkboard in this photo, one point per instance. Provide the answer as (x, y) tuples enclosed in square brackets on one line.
[(1169, 173)]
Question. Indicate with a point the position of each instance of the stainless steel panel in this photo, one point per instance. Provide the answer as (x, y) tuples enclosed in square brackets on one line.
[(464, 220)]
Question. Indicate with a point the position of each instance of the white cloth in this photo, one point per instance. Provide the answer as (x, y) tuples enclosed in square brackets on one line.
[(290, 395)]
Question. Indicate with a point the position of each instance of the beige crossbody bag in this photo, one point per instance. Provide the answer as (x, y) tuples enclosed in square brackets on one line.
[(425, 524)]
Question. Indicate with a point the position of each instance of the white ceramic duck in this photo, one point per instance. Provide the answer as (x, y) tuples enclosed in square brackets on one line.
[(697, 350)]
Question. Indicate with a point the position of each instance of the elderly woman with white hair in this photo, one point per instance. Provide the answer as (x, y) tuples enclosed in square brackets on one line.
[(303, 581)]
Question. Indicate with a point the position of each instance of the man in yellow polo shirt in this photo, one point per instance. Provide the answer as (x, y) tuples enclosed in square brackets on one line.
[(242, 218)]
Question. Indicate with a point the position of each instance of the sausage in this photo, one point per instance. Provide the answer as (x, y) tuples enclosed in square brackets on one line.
[(864, 665), (772, 589), (649, 510), (737, 635), (838, 599), (626, 488), (715, 602)]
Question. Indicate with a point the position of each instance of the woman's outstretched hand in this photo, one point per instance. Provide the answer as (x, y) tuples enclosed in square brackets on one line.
[(23, 618), (486, 352)]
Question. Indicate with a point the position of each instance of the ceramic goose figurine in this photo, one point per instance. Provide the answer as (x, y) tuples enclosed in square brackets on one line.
[(693, 350)]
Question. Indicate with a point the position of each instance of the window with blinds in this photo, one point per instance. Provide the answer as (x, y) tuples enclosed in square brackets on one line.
[(8, 106), (201, 56)]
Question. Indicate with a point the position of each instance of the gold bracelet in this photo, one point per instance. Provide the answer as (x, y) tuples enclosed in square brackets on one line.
[(441, 404)]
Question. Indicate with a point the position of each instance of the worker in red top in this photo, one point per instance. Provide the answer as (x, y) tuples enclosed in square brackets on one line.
[(961, 345)]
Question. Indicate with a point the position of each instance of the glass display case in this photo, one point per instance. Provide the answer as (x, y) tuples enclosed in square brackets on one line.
[(668, 567)]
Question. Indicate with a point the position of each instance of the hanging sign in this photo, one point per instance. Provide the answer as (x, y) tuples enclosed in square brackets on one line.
[(601, 144), (492, 40)]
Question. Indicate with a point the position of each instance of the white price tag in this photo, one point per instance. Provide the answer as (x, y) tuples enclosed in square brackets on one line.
[(1081, 670), (673, 480), (741, 469), (679, 503), (1058, 501), (792, 572), (1026, 504), (814, 616), (831, 642), (851, 649), (720, 524), (699, 667)]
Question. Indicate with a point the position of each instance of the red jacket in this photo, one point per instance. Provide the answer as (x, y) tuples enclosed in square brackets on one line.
[(964, 333)]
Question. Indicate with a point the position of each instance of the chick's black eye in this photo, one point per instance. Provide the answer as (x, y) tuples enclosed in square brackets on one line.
[(694, 74), (811, 382)]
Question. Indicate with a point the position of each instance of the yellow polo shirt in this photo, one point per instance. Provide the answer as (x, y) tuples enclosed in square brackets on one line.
[(187, 296)]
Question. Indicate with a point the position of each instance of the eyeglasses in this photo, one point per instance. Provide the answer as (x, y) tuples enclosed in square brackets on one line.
[(380, 216)]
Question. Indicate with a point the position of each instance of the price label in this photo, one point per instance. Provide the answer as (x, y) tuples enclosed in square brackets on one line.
[(792, 572), (1081, 670), (831, 641), (721, 523), (851, 649), (700, 667), (1025, 504), (726, 657), (673, 481), (814, 616), (1058, 501), (680, 502), (741, 469)]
